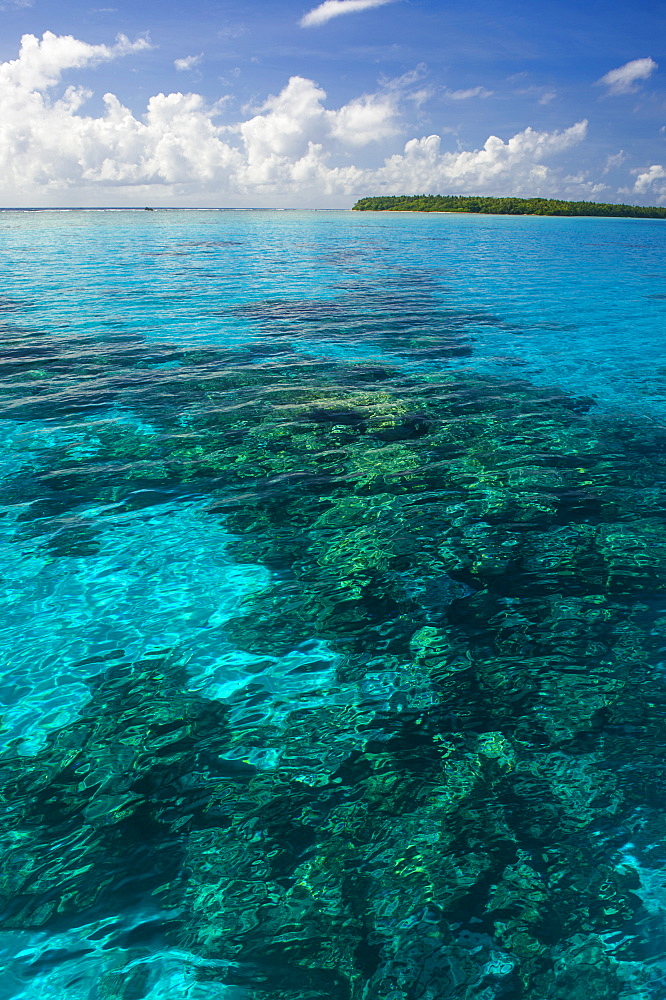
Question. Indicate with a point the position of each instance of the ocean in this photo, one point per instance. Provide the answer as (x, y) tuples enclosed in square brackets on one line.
[(334, 606)]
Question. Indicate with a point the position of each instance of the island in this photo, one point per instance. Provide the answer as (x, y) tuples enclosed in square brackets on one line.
[(503, 206)]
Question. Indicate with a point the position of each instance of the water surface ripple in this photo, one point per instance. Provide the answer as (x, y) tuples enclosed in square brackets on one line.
[(334, 607)]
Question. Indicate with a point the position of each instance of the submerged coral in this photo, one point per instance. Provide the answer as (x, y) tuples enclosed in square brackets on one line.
[(451, 715)]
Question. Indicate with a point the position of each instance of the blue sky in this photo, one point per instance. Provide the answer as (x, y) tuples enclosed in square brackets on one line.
[(551, 98)]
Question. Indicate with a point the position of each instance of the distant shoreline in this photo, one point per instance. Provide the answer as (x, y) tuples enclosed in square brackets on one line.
[(481, 205), (630, 212), (505, 215)]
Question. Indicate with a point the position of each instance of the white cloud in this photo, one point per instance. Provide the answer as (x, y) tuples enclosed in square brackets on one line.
[(652, 179), (187, 62), (40, 64), (402, 87), (365, 119), (405, 80), (464, 95), (285, 142), (292, 150), (613, 161), (543, 95), (623, 80), (335, 8), (513, 167)]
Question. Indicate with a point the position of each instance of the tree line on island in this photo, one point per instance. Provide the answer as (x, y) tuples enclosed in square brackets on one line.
[(503, 206)]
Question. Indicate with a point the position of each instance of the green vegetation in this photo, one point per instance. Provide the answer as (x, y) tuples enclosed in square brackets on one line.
[(503, 206)]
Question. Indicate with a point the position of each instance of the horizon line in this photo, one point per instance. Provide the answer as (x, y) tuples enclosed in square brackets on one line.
[(164, 208)]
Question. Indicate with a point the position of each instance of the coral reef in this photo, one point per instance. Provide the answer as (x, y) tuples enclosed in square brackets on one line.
[(453, 714)]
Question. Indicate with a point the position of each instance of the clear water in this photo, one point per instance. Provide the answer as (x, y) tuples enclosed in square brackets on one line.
[(333, 618)]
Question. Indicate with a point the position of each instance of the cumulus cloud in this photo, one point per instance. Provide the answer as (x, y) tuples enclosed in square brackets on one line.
[(335, 8), (291, 150), (187, 62), (464, 95), (41, 62), (295, 118), (500, 167), (624, 79), (651, 179)]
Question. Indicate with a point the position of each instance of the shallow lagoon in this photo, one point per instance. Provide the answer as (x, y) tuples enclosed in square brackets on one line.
[(333, 626)]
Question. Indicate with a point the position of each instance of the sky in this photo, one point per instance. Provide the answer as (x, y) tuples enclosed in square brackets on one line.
[(285, 103)]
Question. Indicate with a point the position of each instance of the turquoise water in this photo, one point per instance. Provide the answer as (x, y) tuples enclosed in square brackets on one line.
[(333, 625)]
